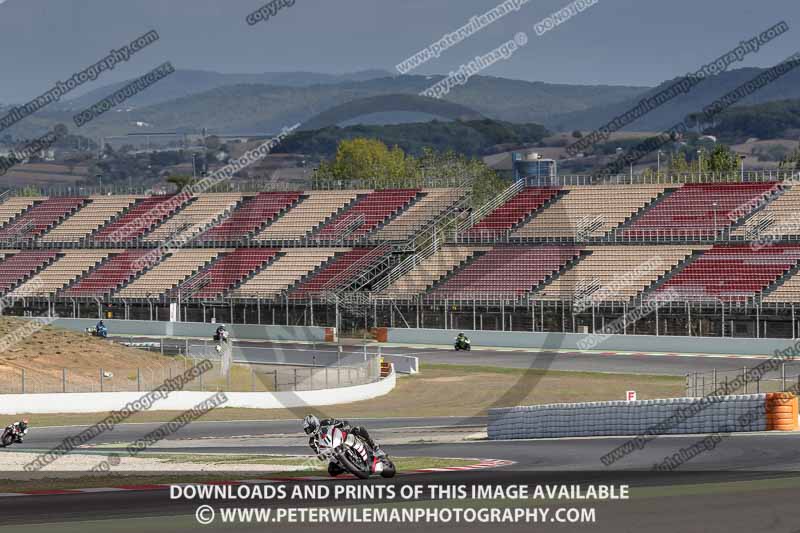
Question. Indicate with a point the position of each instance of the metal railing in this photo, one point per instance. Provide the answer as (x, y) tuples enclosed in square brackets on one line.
[(706, 383), (483, 211)]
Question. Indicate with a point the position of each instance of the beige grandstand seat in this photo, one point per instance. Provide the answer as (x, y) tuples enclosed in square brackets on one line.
[(169, 273), (195, 217), (615, 273), (787, 292), (14, 206), (780, 217), (430, 270), (589, 211), (285, 272), (73, 264), (93, 216), (307, 215), (419, 215)]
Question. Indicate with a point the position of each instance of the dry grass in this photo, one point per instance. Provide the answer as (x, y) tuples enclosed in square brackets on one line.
[(447, 390), (46, 352)]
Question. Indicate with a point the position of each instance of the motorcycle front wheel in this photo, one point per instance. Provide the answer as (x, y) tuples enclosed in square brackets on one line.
[(349, 465), (389, 470)]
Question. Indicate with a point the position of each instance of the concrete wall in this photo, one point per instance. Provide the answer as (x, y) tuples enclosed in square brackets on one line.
[(197, 329), (591, 419), (711, 345), (15, 404)]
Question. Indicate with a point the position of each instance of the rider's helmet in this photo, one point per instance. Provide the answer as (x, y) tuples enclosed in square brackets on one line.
[(23, 423), (310, 424)]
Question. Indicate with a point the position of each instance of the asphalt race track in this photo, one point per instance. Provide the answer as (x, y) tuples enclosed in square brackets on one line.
[(740, 485), (599, 361)]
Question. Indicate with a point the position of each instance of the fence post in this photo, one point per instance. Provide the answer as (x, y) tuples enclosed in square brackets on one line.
[(63, 380), (186, 353), (744, 378), (275, 379), (162, 345), (101, 380), (295, 379), (783, 376), (139, 380), (252, 379)]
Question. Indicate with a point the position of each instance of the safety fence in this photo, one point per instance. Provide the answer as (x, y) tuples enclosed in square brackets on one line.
[(784, 377), (267, 376)]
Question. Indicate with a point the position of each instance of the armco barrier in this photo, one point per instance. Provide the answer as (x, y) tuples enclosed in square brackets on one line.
[(97, 402), (202, 330), (569, 341), (762, 412), (403, 364)]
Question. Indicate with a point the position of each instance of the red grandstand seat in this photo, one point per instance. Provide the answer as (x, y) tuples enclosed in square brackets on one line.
[(512, 212)]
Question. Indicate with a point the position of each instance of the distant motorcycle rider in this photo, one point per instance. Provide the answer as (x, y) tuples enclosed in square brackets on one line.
[(312, 425), (20, 429)]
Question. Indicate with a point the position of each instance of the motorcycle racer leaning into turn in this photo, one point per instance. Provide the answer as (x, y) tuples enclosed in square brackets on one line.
[(312, 425)]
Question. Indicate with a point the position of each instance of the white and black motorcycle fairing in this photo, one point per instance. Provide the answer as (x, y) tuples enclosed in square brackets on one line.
[(352, 454)]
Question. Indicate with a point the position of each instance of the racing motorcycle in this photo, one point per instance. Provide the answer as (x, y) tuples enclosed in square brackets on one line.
[(463, 344), (12, 435), (221, 337), (98, 332), (352, 454)]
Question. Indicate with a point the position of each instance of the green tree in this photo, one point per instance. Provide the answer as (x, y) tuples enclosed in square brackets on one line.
[(368, 162), (678, 163), (722, 160)]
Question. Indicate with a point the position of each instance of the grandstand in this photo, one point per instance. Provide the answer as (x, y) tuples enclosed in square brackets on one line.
[(560, 257)]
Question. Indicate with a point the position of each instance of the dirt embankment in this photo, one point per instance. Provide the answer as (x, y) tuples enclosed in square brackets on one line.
[(52, 356)]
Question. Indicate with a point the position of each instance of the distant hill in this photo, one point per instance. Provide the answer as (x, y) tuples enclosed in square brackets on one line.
[(703, 94), (473, 138), (256, 107), (184, 83), (771, 120)]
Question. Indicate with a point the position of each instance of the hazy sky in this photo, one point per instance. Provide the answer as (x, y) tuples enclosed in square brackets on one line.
[(633, 42)]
